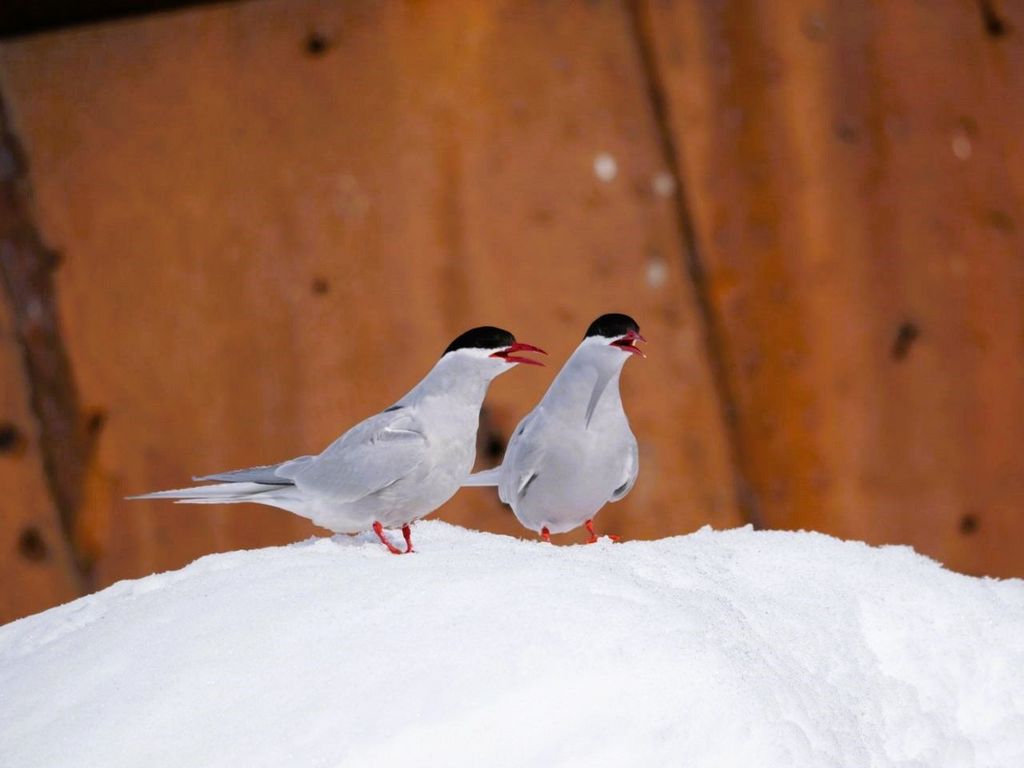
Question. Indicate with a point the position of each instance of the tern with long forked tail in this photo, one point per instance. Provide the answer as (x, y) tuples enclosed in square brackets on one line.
[(393, 468)]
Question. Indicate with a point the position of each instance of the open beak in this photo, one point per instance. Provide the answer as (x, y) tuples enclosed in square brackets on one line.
[(508, 356), (628, 343)]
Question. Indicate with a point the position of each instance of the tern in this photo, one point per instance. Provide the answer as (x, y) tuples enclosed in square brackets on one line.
[(574, 452), (393, 468)]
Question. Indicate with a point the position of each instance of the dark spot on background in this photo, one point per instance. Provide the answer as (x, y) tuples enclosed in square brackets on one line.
[(9, 168), (846, 132), (969, 125), (542, 216), (1001, 221), (53, 258), (907, 334), (11, 440), (995, 25), (95, 423), (320, 286), (317, 44), (490, 443), (494, 447), (969, 524), (31, 545)]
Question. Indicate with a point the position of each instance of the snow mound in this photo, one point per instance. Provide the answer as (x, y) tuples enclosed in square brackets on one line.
[(732, 648)]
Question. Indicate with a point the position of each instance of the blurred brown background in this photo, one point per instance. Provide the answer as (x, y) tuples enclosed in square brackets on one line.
[(228, 232)]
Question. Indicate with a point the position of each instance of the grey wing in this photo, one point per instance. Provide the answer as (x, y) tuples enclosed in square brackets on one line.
[(523, 459), (267, 474), (368, 458), (630, 471)]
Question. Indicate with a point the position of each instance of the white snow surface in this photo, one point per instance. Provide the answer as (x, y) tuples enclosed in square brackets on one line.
[(721, 648)]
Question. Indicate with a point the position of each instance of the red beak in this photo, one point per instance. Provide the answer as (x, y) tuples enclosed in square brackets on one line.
[(628, 343), (507, 356)]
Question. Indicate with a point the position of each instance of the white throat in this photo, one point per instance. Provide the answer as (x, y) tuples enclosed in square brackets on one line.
[(588, 382)]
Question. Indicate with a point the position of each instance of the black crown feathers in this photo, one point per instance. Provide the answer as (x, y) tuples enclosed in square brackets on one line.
[(612, 325), (484, 337)]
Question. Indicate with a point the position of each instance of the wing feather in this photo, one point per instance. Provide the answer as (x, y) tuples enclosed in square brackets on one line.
[(629, 472), (523, 458), (268, 474), (371, 456)]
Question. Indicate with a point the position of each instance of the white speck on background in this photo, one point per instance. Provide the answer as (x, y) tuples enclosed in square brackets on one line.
[(657, 272), (350, 201), (605, 167), (962, 146), (663, 184)]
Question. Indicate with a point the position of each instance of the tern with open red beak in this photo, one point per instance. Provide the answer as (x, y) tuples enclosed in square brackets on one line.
[(393, 468), (574, 452)]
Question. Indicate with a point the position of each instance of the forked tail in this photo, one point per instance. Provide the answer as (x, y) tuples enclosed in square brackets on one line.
[(485, 477), (219, 493)]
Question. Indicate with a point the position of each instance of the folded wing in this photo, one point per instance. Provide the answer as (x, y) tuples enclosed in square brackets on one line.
[(371, 456), (629, 473), (523, 459), (268, 474)]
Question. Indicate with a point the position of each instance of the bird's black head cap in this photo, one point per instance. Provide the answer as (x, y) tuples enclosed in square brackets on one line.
[(484, 337), (612, 325)]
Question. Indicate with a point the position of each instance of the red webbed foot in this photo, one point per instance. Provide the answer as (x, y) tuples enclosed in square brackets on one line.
[(407, 533), (545, 534)]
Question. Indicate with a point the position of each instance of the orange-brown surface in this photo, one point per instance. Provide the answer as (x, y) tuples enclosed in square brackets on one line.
[(855, 177), (37, 568), (274, 215)]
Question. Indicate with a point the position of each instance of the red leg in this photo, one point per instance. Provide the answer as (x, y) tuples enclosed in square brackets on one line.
[(545, 534), (407, 533), (593, 536), (379, 530)]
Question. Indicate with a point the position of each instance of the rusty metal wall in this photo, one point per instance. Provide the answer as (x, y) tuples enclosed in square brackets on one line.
[(263, 221)]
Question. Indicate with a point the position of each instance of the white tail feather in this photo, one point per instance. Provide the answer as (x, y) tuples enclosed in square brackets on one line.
[(218, 493), (486, 477)]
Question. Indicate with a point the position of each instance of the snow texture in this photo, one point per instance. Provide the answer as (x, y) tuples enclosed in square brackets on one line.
[(732, 648)]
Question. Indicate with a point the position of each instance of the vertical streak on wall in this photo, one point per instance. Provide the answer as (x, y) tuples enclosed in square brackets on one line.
[(713, 333), (991, 19), (26, 266)]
